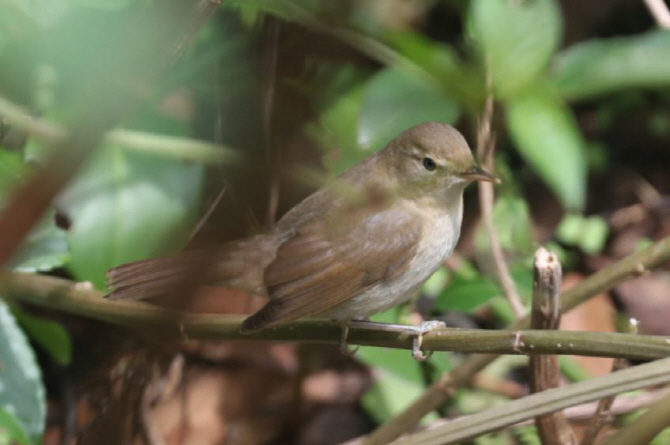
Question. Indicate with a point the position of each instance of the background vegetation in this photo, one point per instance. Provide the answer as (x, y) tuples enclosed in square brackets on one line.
[(134, 128)]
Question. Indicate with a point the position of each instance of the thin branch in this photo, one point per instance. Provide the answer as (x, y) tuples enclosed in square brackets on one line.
[(603, 411), (182, 148), (659, 10), (65, 295), (510, 413), (437, 393), (485, 152), (552, 428), (643, 429)]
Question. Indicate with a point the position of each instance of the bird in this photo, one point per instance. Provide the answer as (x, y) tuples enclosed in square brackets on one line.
[(364, 242)]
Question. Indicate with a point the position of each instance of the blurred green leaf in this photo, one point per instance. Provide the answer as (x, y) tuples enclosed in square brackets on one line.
[(601, 66), (457, 78), (21, 388), (588, 233), (48, 334), (394, 101), (547, 136), (11, 431), (397, 381), (44, 248), (511, 219), (105, 4), (339, 139), (12, 170), (517, 39), (127, 206), (466, 295)]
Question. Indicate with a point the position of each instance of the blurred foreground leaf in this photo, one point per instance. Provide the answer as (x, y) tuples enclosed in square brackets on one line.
[(394, 101), (517, 39), (547, 136), (11, 431), (127, 206), (51, 336), (600, 66), (45, 247), (21, 389)]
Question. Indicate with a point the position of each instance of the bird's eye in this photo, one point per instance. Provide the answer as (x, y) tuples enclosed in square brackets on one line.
[(429, 164)]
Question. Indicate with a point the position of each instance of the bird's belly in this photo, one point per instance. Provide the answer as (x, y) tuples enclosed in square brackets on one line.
[(430, 254)]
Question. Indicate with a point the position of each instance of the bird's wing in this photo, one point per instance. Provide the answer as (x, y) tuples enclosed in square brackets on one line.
[(323, 263)]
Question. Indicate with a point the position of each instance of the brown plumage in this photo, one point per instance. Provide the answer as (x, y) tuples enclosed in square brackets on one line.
[(353, 248)]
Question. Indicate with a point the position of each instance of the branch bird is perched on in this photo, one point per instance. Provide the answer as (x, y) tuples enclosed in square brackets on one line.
[(359, 245)]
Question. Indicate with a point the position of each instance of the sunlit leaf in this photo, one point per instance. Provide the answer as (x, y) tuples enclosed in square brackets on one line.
[(394, 101), (21, 388), (600, 66), (547, 136), (11, 431), (517, 39), (44, 248), (127, 206)]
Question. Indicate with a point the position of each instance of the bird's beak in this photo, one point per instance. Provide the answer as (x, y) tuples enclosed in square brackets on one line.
[(476, 173)]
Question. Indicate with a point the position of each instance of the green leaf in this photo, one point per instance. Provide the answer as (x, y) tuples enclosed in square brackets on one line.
[(105, 4), (458, 79), (128, 206), (466, 295), (394, 101), (588, 233), (21, 389), (547, 136), (601, 66), (11, 431), (12, 170), (516, 39), (398, 381), (48, 334), (511, 219), (45, 248)]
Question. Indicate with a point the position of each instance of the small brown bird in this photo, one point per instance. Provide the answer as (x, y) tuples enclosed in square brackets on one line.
[(361, 244)]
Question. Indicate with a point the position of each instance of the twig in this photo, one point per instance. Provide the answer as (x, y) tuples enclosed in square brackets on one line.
[(643, 429), (553, 428), (182, 148), (601, 281), (659, 10), (65, 295), (485, 151), (510, 413), (603, 411)]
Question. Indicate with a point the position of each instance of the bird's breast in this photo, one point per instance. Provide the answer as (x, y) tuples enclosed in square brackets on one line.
[(439, 237)]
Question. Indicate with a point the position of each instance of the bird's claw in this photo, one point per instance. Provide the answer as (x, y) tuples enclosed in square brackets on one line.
[(424, 328), (344, 347)]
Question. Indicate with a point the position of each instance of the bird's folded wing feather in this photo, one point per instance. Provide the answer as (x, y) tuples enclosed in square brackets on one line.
[(325, 263)]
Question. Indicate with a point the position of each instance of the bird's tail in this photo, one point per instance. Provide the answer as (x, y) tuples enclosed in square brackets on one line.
[(238, 264)]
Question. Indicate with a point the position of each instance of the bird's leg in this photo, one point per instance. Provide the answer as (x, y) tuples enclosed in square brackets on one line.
[(417, 332), (344, 347)]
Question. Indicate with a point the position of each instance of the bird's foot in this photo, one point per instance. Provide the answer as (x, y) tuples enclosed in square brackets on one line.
[(417, 332), (424, 328), (344, 347)]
